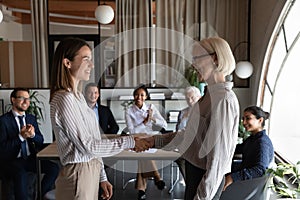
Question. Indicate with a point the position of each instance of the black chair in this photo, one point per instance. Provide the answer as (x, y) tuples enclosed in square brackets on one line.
[(252, 189), (125, 131)]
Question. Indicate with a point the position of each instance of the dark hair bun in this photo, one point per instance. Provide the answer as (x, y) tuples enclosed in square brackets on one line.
[(267, 115)]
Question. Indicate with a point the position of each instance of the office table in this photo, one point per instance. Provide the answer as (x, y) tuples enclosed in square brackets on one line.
[(50, 153)]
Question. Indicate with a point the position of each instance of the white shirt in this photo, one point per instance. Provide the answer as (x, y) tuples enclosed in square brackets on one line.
[(183, 118), (77, 132), (20, 136), (135, 116)]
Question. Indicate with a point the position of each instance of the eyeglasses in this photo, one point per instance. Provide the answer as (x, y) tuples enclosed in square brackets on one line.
[(23, 98), (194, 58)]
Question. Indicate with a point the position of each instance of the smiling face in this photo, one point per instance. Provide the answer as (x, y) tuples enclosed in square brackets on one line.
[(82, 65), (21, 102), (203, 62), (139, 97), (252, 124), (91, 95), (191, 98)]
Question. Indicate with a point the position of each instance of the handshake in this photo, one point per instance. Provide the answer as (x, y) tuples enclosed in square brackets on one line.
[(143, 142)]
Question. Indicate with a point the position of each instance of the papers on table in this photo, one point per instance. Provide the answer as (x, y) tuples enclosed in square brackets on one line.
[(151, 150)]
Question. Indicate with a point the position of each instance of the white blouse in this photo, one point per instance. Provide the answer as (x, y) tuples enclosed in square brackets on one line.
[(134, 119)]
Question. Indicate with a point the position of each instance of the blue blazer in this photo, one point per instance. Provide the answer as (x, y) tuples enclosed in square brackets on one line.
[(107, 121), (10, 143)]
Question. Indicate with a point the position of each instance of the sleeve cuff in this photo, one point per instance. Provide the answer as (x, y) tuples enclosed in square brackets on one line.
[(103, 176)]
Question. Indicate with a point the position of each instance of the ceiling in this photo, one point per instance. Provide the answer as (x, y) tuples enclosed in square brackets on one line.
[(57, 10)]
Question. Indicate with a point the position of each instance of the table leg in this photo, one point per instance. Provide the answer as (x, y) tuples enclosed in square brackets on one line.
[(39, 187)]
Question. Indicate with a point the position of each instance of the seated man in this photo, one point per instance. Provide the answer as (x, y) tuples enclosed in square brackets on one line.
[(20, 140), (104, 115)]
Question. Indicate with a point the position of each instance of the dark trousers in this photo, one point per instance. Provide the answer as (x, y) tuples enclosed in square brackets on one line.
[(17, 171), (194, 176)]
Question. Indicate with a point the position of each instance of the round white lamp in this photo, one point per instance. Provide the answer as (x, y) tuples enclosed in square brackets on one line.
[(1, 16), (104, 14), (244, 69)]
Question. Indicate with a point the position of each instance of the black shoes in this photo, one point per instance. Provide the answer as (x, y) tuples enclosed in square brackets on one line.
[(141, 195), (160, 184)]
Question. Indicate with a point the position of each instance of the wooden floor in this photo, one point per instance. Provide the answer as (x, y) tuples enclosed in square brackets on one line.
[(118, 179)]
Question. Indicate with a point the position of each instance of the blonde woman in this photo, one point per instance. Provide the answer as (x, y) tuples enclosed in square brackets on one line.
[(212, 128)]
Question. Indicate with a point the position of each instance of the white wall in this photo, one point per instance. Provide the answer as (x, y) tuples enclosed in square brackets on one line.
[(11, 31), (244, 97), (105, 30), (264, 17)]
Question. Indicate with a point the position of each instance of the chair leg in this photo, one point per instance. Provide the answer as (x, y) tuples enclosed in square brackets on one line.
[(129, 181), (174, 182)]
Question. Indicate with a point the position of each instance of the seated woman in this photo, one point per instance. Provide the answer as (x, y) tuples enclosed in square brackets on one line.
[(257, 150), (140, 118)]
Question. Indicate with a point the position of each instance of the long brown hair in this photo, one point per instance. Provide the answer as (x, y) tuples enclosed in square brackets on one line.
[(60, 74)]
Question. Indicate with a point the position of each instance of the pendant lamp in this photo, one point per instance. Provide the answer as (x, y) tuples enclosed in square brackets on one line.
[(104, 14)]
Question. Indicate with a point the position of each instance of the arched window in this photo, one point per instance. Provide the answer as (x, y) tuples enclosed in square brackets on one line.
[(280, 83)]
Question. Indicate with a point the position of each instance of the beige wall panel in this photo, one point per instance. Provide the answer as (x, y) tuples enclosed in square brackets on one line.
[(4, 64), (23, 64)]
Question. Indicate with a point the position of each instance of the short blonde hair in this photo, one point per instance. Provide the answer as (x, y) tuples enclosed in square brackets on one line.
[(193, 89), (217, 45)]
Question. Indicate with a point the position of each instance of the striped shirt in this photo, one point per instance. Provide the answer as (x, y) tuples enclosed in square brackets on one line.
[(77, 132), (209, 139)]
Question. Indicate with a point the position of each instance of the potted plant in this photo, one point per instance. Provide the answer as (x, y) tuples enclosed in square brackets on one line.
[(36, 106), (286, 180), (191, 76)]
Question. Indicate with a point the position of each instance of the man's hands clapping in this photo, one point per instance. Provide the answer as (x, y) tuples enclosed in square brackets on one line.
[(27, 131)]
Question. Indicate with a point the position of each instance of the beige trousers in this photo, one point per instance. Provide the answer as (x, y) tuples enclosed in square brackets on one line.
[(146, 169), (79, 181)]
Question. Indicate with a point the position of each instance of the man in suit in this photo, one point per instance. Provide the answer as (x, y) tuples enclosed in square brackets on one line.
[(104, 115), (20, 140)]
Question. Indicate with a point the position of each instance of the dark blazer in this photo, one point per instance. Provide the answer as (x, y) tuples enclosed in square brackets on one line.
[(107, 121), (10, 143)]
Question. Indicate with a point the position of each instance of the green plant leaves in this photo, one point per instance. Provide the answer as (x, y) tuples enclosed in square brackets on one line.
[(286, 179), (35, 105)]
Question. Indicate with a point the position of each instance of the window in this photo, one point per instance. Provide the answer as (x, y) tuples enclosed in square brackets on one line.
[(280, 87)]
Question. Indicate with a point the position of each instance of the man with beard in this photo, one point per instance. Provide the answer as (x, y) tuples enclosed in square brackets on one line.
[(20, 140)]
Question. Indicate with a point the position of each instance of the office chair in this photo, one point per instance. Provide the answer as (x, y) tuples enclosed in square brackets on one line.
[(252, 189)]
